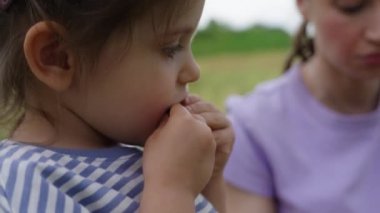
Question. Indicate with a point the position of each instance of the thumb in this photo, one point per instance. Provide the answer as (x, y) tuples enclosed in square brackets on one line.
[(191, 99), (179, 110)]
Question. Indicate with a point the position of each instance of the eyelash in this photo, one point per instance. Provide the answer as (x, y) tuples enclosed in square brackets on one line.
[(172, 50), (350, 10)]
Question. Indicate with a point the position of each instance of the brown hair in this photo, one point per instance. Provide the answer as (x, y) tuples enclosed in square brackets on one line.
[(303, 47), (88, 23)]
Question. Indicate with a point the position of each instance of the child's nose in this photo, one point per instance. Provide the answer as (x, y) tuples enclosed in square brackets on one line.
[(373, 29), (190, 71)]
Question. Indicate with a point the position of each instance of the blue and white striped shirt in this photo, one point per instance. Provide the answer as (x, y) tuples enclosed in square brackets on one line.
[(35, 179)]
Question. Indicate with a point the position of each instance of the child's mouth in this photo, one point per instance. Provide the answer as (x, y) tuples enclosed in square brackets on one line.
[(183, 102), (167, 111)]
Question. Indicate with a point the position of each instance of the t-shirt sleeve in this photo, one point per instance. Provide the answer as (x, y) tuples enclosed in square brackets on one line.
[(4, 202), (248, 167)]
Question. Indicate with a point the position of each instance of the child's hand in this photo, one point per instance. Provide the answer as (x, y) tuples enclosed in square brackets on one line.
[(221, 128), (180, 154), (224, 137)]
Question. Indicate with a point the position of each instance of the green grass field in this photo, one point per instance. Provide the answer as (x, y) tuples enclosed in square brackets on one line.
[(225, 75), (233, 62)]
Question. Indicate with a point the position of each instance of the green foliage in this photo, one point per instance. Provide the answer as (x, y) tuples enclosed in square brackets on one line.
[(218, 39)]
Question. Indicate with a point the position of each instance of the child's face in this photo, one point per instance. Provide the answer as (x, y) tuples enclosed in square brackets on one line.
[(129, 91), (347, 35)]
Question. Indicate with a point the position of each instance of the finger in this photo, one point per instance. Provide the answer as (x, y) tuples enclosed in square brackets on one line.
[(201, 107), (224, 140), (200, 118), (191, 99), (215, 120), (178, 110), (164, 120)]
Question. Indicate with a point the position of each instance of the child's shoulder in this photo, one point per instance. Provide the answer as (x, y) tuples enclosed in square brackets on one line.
[(15, 152), (15, 157)]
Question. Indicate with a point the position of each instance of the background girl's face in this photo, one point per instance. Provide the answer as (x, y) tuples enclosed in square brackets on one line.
[(347, 34), (130, 90)]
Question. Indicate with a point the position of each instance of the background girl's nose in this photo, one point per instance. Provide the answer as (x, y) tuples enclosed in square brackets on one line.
[(373, 30), (373, 35)]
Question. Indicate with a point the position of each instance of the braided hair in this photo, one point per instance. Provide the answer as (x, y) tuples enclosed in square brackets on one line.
[(303, 47)]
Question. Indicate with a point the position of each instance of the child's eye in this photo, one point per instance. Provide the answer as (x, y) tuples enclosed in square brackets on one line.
[(350, 7), (172, 50)]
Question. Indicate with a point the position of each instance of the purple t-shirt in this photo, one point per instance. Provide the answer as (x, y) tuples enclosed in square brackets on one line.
[(311, 159)]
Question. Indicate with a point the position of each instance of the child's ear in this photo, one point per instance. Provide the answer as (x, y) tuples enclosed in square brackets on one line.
[(48, 57)]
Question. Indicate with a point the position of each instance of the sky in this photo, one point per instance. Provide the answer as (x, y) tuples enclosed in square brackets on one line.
[(244, 13)]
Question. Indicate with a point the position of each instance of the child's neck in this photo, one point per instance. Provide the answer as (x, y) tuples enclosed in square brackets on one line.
[(340, 92), (68, 132)]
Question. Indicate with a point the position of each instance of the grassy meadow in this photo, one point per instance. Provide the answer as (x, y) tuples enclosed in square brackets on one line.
[(230, 74), (233, 62)]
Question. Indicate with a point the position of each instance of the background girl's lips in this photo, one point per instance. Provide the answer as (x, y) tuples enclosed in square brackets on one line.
[(371, 59)]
